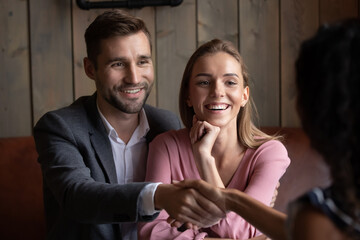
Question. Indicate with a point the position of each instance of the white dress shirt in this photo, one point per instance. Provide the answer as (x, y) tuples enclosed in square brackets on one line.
[(130, 164)]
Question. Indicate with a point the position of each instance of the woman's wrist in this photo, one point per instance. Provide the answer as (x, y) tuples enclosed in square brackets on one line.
[(205, 163), (207, 160)]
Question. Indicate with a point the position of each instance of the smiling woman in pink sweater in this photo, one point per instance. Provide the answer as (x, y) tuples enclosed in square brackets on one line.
[(220, 144)]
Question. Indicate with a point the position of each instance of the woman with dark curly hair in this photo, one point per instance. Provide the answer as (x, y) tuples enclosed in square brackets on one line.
[(328, 82), (328, 102)]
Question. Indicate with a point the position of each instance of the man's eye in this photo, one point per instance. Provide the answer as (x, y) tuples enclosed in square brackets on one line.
[(142, 62), (117, 64)]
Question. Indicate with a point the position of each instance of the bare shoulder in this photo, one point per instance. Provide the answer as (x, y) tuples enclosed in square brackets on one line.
[(310, 223)]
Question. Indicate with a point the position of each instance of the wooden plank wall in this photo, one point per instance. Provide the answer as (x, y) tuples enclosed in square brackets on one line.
[(42, 48)]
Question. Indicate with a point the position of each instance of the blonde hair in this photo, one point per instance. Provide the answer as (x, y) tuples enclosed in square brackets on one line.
[(249, 135)]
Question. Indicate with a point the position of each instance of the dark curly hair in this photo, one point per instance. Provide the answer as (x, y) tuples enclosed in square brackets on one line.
[(328, 83)]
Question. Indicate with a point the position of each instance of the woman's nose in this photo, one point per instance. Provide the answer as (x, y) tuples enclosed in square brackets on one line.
[(217, 90)]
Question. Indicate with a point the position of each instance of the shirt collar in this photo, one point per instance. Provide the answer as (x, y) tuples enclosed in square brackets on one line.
[(140, 132)]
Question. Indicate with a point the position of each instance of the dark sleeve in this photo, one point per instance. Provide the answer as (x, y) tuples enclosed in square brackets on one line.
[(69, 165), (160, 121)]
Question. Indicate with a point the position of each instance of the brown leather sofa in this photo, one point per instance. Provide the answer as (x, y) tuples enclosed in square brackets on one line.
[(21, 202)]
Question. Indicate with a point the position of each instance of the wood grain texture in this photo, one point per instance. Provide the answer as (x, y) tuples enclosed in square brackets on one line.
[(175, 42), (48, 74), (81, 19), (299, 21), (15, 98), (217, 19), (259, 47), (333, 10), (51, 55)]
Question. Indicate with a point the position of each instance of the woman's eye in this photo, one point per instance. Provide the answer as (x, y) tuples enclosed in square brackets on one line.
[(203, 83), (231, 83)]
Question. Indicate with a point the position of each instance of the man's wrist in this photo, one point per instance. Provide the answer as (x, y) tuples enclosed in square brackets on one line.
[(147, 207), (161, 191), (157, 197)]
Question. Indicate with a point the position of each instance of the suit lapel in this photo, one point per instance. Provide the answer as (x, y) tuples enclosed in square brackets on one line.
[(100, 141), (149, 115)]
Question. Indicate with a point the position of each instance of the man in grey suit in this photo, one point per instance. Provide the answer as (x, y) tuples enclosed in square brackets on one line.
[(93, 152)]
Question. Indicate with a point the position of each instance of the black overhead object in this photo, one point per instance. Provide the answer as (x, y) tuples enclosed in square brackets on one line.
[(86, 5)]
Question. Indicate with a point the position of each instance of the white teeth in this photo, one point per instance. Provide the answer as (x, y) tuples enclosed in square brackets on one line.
[(131, 91), (217, 107)]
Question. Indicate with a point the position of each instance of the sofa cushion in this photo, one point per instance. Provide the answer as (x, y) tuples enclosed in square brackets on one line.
[(21, 201)]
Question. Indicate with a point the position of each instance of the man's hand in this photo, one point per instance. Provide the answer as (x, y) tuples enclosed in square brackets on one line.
[(213, 194), (187, 205)]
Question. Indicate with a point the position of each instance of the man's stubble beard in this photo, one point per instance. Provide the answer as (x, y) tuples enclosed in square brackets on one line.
[(130, 106)]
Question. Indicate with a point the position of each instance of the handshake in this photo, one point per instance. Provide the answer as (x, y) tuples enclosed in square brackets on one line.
[(197, 204), (191, 203)]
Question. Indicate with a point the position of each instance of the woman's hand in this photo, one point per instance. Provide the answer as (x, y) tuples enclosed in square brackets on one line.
[(203, 136)]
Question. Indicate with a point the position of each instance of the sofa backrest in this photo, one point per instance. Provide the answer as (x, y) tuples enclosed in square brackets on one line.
[(307, 168), (21, 201)]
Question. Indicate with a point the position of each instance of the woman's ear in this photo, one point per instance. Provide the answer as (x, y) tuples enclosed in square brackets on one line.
[(245, 96), (188, 101), (89, 68)]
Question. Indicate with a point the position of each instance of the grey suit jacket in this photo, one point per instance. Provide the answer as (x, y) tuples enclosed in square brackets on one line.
[(81, 196)]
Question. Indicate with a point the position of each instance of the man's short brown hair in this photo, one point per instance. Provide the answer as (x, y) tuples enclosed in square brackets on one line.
[(110, 24)]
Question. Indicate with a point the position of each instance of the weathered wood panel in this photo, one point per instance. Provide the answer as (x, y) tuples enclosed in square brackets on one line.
[(259, 47), (299, 20), (80, 21), (217, 19), (268, 34), (15, 99), (51, 55), (332, 10), (175, 42)]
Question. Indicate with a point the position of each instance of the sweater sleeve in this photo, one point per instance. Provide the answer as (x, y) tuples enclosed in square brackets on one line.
[(267, 165)]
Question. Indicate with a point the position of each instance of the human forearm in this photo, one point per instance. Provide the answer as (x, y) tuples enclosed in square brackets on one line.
[(203, 136), (266, 219), (208, 170)]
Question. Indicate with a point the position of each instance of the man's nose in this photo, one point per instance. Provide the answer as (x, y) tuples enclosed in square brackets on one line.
[(133, 74)]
